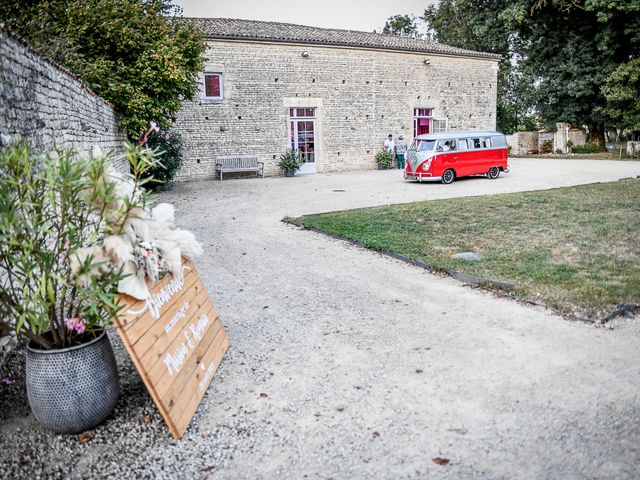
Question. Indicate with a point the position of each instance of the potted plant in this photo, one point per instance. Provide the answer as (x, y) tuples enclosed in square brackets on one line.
[(52, 207), (384, 159), (290, 162)]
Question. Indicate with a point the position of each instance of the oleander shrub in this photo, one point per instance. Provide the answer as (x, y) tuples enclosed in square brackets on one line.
[(168, 149)]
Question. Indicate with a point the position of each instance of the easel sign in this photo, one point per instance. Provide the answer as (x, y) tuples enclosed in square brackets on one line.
[(176, 341)]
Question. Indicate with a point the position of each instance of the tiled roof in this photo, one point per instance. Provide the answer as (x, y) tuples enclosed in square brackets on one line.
[(227, 28)]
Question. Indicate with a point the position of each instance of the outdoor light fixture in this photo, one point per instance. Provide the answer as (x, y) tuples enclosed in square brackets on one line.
[(305, 54), (427, 62)]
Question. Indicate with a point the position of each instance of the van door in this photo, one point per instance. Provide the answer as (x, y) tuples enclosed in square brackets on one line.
[(465, 157), (476, 154), (491, 157), (447, 157)]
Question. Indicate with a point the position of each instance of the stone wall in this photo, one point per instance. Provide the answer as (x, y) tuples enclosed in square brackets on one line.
[(633, 149), (522, 143), (360, 96), (545, 142), (565, 134), (577, 136), (45, 103)]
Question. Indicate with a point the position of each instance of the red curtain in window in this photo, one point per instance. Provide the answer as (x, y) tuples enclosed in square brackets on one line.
[(423, 126), (212, 85)]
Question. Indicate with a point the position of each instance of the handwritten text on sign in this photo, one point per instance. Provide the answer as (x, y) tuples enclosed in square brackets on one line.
[(176, 340), (192, 337)]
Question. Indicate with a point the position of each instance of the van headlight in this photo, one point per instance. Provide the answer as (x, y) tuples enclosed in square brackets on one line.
[(426, 166)]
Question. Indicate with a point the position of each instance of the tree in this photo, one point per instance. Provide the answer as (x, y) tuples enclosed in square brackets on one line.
[(466, 24), (455, 23), (401, 25), (564, 60), (622, 92), (621, 89), (576, 51), (133, 53), (561, 53)]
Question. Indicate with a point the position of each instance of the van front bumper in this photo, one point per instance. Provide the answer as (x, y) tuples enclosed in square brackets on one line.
[(420, 177)]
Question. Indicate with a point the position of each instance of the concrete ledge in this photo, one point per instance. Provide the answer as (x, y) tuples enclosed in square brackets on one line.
[(475, 280)]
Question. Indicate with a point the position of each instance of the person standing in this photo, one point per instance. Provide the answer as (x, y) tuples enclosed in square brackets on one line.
[(401, 152), (390, 146)]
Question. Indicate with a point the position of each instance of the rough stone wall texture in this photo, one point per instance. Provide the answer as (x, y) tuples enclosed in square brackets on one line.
[(633, 148), (45, 103), (360, 96), (546, 139), (522, 143), (561, 137), (577, 136), (564, 133)]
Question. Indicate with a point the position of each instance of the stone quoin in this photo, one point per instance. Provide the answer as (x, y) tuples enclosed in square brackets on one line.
[(334, 95)]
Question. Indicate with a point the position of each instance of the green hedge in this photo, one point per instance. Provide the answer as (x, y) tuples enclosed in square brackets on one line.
[(587, 148)]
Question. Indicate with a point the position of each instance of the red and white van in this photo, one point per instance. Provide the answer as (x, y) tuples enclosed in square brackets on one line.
[(447, 156)]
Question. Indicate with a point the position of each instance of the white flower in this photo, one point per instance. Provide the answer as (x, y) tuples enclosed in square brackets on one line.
[(154, 126)]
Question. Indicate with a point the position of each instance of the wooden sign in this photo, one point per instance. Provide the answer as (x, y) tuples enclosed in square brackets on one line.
[(176, 340)]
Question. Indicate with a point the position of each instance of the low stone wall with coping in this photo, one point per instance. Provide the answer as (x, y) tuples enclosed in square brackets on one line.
[(522, 143), (525, 143), (45, 103)]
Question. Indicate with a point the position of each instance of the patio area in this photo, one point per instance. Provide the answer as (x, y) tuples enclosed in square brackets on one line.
[(335, 370)]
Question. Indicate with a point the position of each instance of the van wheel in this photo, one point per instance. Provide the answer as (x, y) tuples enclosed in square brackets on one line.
[(448, 176), (493, 173)]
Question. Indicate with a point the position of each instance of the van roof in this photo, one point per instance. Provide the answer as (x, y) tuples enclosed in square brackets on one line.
[(448, 135)]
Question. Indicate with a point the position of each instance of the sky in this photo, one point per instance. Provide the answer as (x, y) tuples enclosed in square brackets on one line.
[(365, 15)]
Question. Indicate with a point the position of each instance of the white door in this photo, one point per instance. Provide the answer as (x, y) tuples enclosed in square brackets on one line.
[(303, 137)]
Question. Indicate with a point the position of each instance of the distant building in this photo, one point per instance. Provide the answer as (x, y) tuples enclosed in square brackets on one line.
[(333, 95)]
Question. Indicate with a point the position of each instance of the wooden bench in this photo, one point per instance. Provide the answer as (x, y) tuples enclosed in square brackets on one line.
[(239, 163)]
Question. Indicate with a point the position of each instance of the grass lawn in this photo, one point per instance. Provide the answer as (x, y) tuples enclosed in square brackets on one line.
[(574, 249)]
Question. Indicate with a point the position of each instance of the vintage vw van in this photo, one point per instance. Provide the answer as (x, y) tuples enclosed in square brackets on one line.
[(447, 156)]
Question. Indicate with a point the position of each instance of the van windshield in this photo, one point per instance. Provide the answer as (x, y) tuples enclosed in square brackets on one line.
[(425, 145)]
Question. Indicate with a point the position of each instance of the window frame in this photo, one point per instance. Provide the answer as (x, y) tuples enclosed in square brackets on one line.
[(220, 76), (421, 113), (438, 121), (303, 114)]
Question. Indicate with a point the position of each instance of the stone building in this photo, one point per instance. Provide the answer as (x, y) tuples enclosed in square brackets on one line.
[(333, 95)]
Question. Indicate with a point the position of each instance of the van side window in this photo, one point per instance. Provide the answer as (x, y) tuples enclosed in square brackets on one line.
[(476, 143), (462, 144), (446, 145), (499, 141), (426, 145), (486, 142)]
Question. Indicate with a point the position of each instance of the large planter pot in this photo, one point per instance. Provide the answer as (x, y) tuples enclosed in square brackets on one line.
[(72, 389), (382, 167), (289, 173)]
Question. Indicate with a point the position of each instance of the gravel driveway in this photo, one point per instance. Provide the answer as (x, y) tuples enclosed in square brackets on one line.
[(336, 371)]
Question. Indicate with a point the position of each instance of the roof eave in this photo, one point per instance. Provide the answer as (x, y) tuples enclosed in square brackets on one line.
[(479, 55)]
